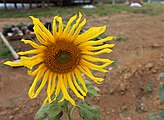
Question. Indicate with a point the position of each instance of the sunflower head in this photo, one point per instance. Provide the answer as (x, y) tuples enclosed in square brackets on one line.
[(62, 55)]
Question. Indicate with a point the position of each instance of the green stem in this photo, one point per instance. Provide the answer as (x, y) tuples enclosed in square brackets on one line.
[(68, 113), (71, 111), (69, 116)]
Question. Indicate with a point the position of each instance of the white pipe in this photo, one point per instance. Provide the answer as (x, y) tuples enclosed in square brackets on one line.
[(15, 55)]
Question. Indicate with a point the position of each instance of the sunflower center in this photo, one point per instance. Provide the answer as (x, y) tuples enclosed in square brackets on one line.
[(62, 56)]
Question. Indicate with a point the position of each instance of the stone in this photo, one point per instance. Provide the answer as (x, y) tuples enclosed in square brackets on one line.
[(113, 111), (154, 71), (17, 109), (156, 45), (126, 76), (124, 108), (149, 65), (111, 91), (122, 87), (3, 113), (108, 113), (11, 117), (97, 89), (143, 109)]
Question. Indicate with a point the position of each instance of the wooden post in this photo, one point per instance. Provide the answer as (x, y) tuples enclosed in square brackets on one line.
[(60, 2), (22, 3), (43, 4), (48, 3), (113, 2), (30, 4), (15, 4), (4, 1)]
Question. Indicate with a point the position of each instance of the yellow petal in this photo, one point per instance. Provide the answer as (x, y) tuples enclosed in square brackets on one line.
[(99, 47), (87, 72), (36, 70), (69, 24), (54, 30), (94, 59), (90, 34), (33, 44), (80, 79), (30, 62), (35, 51), (92, 66), (65, 92), (65, 80), (73, 87), (37, 78), (96, 42), (41, 55), (62, 99), (13, 64), (59, 19), (58, 88), (77, 85), (49, 86), (34, 62), (52, 78), (53, 83), (45, 78), (45, 101), (78, 29), (75, 25), (37, 22), (41, 36), (97, 53)]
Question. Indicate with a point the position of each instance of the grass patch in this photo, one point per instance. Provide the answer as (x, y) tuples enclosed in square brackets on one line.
[(162, 19), (121, 39), (4, 52), (102, 10), (150, 9)]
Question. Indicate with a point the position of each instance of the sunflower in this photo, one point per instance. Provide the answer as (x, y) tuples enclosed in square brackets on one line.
[(61, 56)]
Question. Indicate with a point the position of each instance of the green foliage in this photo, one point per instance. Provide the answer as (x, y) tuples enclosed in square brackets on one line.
[(121, 39), (89, 112), (161, 74), (161, 114), (162, 19), (152, 116), (161, 92), (4, 52), (91, 89), (102, 10), (55, 110), (126, 113), (148, 89), (50, 111), (11, 106)]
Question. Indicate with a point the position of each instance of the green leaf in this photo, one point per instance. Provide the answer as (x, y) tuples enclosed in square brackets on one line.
[(161, 74), (152, 116), (161, 114), (161, 92), (89, 112), (51, 111), (121, 39), (148, 89), (91, 89)]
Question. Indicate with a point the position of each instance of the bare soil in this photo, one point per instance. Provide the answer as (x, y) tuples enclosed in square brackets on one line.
[(124, 96)]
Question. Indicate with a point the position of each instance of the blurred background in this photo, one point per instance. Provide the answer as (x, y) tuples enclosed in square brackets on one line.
[(131, 87)]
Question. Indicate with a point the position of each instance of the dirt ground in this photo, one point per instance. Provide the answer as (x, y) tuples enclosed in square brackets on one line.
[(125, 93)]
